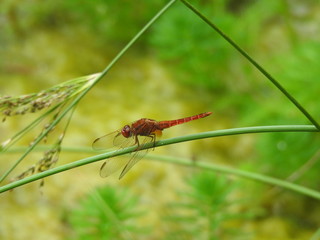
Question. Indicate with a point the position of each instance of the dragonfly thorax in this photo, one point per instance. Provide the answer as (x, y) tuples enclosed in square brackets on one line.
[(126, 131)]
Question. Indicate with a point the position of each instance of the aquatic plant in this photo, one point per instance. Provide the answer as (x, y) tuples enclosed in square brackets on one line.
[(107, 213)]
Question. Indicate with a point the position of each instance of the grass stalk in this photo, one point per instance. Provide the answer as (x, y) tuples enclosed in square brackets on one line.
[(316, 235), (18, 135), (251, 60), (211, 134), (245, 174)]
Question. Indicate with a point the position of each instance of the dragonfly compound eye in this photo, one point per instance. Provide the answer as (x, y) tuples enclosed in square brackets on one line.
[(126, 131)]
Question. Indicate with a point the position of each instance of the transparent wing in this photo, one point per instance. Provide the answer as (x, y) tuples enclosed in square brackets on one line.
[(137, 155), (122, 142), (112, 165), (116, 139), (110, 140)]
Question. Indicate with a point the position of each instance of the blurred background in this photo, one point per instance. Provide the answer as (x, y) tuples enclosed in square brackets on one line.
[(180, 67)]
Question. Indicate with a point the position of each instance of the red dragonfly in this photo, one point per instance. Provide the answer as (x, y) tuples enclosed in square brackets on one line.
[(139, 133)]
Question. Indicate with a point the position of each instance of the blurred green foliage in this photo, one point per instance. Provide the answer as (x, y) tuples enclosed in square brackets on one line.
[(198, 55), (107, 213), (207, 209), (113, 21), (282, 154)]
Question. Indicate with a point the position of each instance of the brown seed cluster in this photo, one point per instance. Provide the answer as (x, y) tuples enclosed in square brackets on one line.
[(48, 160), (10, 106), (30, 103)]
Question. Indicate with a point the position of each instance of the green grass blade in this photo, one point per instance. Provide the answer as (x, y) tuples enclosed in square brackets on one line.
[(251, 60), (211, 134), (21, 133), (136, 37), (245, 174), (316, 235)]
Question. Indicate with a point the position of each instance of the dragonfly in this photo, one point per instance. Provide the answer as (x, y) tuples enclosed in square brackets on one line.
[(139, 133)]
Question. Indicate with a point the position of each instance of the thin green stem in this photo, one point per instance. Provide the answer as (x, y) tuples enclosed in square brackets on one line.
[(211, 134), (33, 124), (257, 65), (316, 235), (241, 173), (135, 38), (85, 91), (41, 148), (17, 136)]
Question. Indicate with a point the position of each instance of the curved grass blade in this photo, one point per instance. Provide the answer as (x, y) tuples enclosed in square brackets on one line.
[(227, 132), (251, 60)]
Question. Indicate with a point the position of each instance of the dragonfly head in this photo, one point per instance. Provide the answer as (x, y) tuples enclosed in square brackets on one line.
[(126, 131)]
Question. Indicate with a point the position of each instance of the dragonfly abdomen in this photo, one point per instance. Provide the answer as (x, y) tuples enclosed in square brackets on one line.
[(171, 123)]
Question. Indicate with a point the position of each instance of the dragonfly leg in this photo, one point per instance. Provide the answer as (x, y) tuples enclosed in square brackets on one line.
[(153, 139), (136, 142)]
